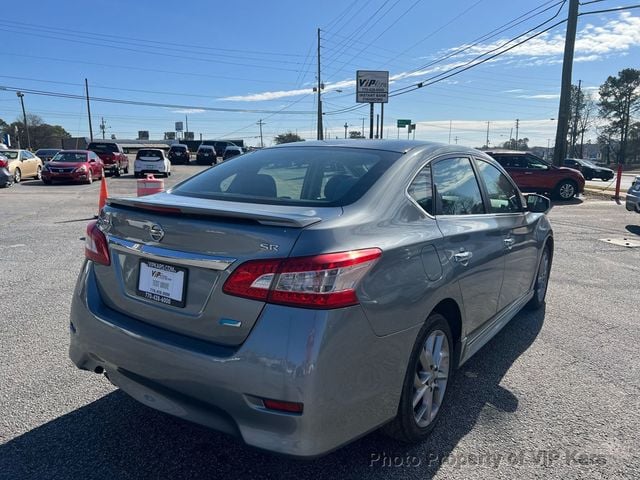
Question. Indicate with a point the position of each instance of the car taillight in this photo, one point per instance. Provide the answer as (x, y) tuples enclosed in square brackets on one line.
[(95, 245), (321, 281), (4, 163)]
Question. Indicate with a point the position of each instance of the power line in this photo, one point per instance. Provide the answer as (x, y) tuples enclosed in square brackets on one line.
[(617, 9), (147, 104)]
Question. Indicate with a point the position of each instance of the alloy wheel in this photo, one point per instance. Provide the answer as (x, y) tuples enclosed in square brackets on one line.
[(567, 191), (543, 276), (431, 377)]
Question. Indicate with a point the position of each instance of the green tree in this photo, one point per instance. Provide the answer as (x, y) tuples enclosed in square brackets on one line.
[(42, 134), (521, 144), (619, 99), (288, 137)]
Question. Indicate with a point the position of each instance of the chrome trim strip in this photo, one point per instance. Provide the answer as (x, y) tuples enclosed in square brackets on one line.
[(177, 257)]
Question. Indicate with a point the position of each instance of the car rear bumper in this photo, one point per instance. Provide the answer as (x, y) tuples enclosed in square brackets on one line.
[(348, 379), (5, 177)]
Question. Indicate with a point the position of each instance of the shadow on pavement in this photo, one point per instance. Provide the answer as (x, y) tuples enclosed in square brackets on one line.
[(566, 203), (116, 437), (635, 229)]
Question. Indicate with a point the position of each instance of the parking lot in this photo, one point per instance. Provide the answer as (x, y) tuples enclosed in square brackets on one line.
[(556, 393)]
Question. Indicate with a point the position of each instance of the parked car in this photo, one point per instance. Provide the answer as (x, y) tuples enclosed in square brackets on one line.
[(46, 154), (151, 160), (73, 166), (206, 155), (533, 174), (231, 151), (22, 164), (6, 178), (303, 295), (179, 154), (112, 155), (633, 196), (588, 169)]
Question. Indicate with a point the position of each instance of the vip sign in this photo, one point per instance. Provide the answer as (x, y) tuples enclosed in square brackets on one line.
[(372, 86)]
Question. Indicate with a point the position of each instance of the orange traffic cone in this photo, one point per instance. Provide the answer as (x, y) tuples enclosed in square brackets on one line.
[(104, 193)]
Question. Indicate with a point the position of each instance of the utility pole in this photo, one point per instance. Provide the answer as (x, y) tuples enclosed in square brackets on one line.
[(24, 116), (456, 139), (320, 129), (186, 125), (560, 150), (346, 125), (487, 142), (517, 130), (574, 127), (260, 122), (363, 127), (378, 126), (103, 127), (371, 120), (86, 87), (450, 123), (382, 120)]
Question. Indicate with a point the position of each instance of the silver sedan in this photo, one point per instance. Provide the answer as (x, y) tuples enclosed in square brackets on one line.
[(301, 296)]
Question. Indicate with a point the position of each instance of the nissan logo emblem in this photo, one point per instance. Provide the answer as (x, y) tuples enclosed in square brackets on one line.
[(156, 232)]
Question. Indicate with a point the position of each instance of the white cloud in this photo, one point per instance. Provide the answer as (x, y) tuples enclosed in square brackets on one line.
[(543, 96), (189, 110)]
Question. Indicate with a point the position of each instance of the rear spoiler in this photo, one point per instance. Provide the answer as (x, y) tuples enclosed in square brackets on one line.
[(175, 205)]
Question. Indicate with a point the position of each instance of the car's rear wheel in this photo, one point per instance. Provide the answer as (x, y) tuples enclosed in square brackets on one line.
[(542, 281), (17, 175), (566, 190), (117, 171), (126, 170), (38, 173), (424, 390)]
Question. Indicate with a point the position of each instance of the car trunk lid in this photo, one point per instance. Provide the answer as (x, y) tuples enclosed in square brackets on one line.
[(187, 248)]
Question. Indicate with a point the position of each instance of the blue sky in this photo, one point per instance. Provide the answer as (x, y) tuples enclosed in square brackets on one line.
[(262, 56)]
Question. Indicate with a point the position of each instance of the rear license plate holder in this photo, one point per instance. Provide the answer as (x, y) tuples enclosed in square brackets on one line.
[(162, 283)]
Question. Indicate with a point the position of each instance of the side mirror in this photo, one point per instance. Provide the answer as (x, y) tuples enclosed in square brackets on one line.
[(537, 203)]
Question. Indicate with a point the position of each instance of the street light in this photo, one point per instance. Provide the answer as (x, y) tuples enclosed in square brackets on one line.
[(20, 95)]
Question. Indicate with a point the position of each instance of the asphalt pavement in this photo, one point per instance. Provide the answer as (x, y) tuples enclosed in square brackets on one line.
[(555, 395)]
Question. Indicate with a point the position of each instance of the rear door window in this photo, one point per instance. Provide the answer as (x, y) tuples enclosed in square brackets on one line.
[(456, 187), (323, 176), (421, 191)]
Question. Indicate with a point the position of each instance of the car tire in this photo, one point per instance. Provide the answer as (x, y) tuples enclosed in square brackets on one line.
[(117, 172), (588, 177), (426, 382), (38, 173), (542, 281), (89, 179), (47, 182), (17, 175), (126, 170), (566, 190)]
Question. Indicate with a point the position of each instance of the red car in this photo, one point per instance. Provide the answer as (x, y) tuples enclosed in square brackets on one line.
[(73, 166), (533, 174), (112, 155)]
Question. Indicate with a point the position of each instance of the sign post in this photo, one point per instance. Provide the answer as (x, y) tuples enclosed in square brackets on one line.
[(372, 86)]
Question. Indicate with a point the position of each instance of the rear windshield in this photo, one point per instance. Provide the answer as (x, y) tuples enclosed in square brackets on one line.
[(320, 176), (47, 152), (207, 148), (70, 157), (10, 154), (149, 154), (103, 147), (178, 149)]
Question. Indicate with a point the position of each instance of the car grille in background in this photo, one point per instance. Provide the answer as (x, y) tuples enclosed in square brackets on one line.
[(62, 170)]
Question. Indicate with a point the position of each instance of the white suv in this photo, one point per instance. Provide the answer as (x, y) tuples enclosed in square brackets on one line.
[(151, 160)]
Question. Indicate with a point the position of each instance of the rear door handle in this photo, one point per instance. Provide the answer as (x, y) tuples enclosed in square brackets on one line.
[(463, 257), (509, 242), (528, 173)]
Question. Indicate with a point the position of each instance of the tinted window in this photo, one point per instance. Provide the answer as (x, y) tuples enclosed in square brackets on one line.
[(10, 154), (503, 196), (70, 157), (26, 155), (103, 147), (420, 190), (155, 154), (323, 176), (456, 187), (178, 149), (536, 163)]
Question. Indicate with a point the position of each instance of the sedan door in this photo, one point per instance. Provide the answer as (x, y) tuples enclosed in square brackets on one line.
[(517, 229), (29, 164), (473, 239)]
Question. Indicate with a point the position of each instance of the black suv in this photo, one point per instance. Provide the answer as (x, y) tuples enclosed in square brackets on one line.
[(179, 154), (589, 169)]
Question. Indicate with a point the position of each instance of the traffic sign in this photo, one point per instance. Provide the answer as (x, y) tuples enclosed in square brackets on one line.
[(403, 123)]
